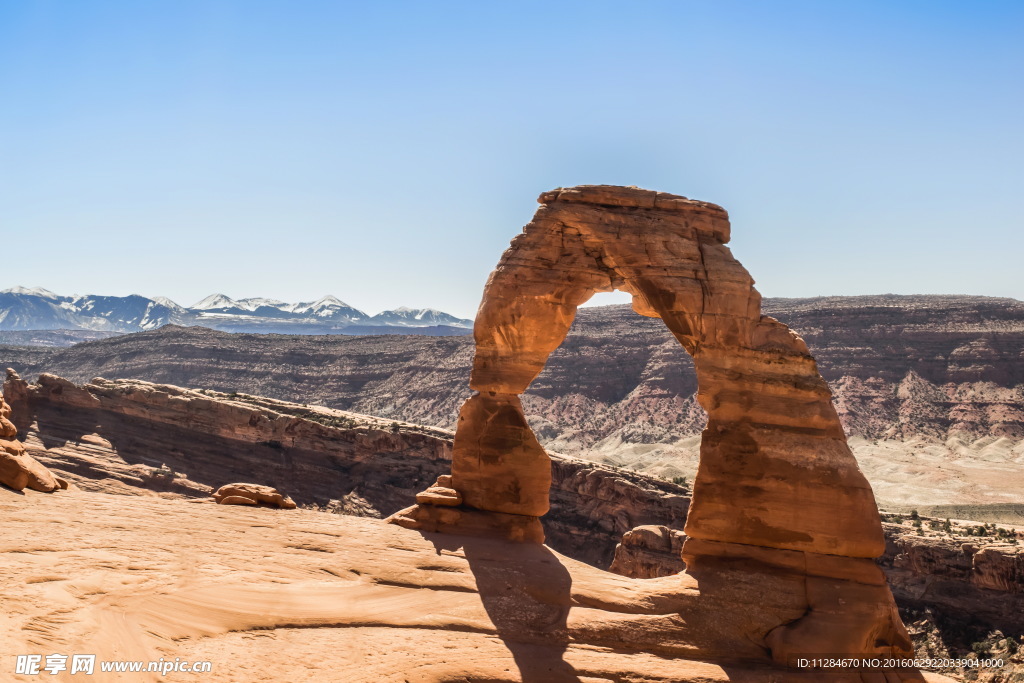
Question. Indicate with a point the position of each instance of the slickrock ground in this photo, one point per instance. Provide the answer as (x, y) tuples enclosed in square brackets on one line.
[(929, 388), (135, 438), (271, 595)]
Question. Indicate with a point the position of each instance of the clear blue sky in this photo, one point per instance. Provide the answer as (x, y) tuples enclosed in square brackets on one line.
[(387, 152)]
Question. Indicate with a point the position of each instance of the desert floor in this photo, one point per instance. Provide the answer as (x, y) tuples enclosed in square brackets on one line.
[(269, 595)]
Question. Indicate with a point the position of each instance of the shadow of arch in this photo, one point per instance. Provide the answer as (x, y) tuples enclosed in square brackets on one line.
[(527, 597)]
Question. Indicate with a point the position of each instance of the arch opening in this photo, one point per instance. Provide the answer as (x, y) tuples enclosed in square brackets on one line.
[(774, 467)]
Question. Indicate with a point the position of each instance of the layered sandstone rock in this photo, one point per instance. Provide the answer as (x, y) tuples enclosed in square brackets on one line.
[(978, 576), (252, 494), (357, 464), (649, 551), (778, 495), (18, 469), (955, 592)]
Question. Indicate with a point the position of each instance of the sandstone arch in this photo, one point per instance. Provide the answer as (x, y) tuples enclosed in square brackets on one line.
[(777, 490)]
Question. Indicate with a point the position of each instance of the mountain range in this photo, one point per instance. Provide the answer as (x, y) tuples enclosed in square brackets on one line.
[(22, 308)]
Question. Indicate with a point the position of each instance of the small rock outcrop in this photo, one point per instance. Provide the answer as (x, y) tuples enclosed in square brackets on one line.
[(252, 494), (18, 469), (649, 551), (780, 507)]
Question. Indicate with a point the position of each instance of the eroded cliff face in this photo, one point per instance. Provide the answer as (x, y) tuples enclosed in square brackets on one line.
[(18, 469), (135, 437), (979, 577), (620, 390)]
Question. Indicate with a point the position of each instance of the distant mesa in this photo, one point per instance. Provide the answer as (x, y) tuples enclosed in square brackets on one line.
[(24, 308)]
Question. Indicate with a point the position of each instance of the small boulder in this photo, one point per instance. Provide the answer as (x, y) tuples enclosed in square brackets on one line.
[(19, 470), (12, 470), (265, 495)]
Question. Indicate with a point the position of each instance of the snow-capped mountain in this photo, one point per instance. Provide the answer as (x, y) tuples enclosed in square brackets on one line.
[(328, 309), (416, 317), (215, 302), (23, 308), (32, 291)]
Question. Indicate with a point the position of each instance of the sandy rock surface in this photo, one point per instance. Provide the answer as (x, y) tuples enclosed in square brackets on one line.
[(267, 595)]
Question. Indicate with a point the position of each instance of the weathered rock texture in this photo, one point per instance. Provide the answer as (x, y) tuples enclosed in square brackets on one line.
[(308, 597), (139, 438), (778, 495), (649, 551), (252, 494), (961, 596), (958, 573), (18, 469)]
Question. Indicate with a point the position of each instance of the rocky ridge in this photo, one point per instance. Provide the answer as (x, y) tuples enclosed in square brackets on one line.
[(620, 390)]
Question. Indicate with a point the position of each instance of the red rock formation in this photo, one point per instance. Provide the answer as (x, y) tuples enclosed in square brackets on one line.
[(954, 591), (978, 576), (649, 551), (18, 469), (252, 494), (778, 493)]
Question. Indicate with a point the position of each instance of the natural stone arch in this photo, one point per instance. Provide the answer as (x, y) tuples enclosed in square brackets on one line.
[(777, 486)]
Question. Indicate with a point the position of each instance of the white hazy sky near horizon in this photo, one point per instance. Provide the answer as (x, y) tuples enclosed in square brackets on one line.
[(387, 153)]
